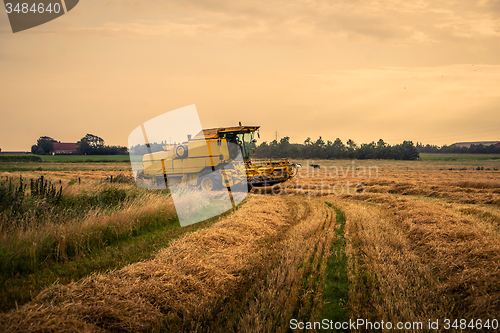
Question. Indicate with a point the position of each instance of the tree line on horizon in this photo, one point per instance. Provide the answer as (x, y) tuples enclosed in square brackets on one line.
[(93, 145), (320, 149), (473, 149), (143, 149), (88, 145)]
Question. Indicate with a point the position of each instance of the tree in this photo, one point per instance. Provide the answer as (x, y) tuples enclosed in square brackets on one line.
[(339, 148), (380, 149), (94, 141), (90, 145), (83, 147), (284, 147), (307, 148), (44, 146), (407, 151), (351, 147), (262, 150), (366, 151), (319, 148)]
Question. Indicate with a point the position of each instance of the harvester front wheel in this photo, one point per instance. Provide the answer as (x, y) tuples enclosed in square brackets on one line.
[(207, 184)]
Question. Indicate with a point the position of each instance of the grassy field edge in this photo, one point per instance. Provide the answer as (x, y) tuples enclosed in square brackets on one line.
[(336, 290)]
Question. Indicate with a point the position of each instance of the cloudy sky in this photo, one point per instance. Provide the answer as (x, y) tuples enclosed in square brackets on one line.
[(426, 71)]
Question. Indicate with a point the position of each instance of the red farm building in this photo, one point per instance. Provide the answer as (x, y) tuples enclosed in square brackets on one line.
[(64, 148)]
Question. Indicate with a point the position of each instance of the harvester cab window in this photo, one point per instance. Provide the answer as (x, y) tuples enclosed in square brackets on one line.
[(245, 141), (241, 140), (232, 144)]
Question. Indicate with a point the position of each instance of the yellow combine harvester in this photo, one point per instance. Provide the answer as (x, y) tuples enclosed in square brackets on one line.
[(213, 161)]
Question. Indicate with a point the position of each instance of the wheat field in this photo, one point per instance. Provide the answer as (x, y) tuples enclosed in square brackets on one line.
[(419, 242)]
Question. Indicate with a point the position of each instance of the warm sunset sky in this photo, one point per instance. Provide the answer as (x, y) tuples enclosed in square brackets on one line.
[(426, 71)]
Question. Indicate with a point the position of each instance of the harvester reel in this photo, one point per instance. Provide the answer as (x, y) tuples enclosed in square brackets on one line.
[(181, 151)]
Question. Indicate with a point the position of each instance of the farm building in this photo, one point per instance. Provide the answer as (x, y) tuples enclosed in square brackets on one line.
[(484, 143), (64, 148)]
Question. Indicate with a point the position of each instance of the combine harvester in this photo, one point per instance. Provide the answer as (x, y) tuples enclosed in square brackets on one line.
[(216, 159)]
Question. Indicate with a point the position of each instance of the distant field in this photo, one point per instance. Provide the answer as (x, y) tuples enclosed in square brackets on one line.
[(85, 158), (458, 157), (64, 167), (126, 158), (68, 163), (19, 158), (421, 164)]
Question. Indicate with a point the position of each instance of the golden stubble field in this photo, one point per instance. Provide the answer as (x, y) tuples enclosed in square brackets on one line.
[(423, 243), (426, 178), (426, 234)]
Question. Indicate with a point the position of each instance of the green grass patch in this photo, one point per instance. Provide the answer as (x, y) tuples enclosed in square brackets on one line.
[(109, 197), (26, 258), (458, 157), (335, 295), (85, 158), (44, 198), (21, 288), (152, 232), (20, 158)]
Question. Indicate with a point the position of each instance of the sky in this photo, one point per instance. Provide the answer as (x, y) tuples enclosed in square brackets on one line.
[(425, 71)]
